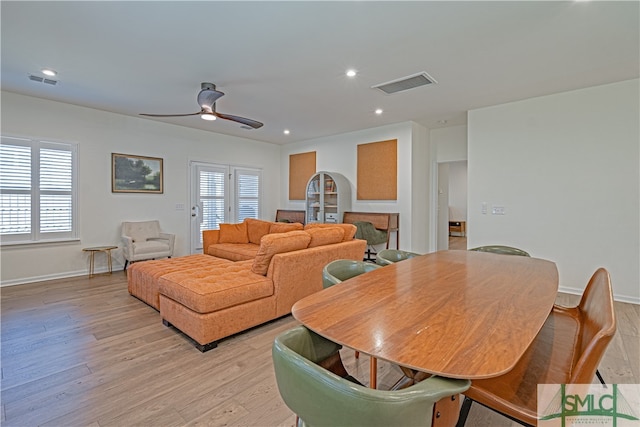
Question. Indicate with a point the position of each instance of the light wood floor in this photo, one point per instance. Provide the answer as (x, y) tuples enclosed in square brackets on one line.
[(83, 352)]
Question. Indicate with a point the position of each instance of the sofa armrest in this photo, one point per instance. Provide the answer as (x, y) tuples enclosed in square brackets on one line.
[(127, 246), (298, 274), (209, 237), (171, 239)]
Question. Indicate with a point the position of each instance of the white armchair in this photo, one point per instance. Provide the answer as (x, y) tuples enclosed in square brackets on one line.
[(144, 240)]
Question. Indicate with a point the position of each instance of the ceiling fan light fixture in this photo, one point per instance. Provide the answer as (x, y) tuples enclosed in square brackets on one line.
[(207, 116)]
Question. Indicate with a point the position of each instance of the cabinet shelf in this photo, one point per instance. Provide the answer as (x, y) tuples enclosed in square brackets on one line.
[(328, 196)]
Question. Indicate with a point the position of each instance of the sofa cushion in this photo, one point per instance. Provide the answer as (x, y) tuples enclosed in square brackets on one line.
[(276, 243), (256, 228), (325, 236), (221, 286), (284, 227), (233, 233), (234, 251), (349, 229)]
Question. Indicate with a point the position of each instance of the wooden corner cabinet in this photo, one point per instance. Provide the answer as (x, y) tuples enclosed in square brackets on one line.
[(328, 196)]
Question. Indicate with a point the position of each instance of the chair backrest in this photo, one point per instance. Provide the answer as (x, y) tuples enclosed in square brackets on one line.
[(367, 231), (342, 269), (500, 249), (285, 215), (389, 256), (141, 230), (597, 326), (321, 398)]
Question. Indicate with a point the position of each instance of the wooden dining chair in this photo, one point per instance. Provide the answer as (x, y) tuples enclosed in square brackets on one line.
[(567, 350), (320, 397), (342, 269)]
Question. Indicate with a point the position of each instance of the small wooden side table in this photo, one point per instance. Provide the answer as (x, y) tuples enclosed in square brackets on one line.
[(92, 251)]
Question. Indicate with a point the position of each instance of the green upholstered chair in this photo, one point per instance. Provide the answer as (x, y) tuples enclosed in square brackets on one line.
[(342, 269), (499, 249), (321, 398), (373, 236), (389, 256)]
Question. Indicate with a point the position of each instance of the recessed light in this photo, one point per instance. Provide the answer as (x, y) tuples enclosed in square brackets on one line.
[(351, 73), (379, 111), (49, 72), (287, 132)]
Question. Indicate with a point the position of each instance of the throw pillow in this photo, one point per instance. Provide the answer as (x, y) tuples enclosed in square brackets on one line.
[(233, 233), (256, 228), (325, 236), (283, 227), (277, 243)]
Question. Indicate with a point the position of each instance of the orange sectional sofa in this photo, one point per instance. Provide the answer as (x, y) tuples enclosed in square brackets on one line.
[(250, 273)]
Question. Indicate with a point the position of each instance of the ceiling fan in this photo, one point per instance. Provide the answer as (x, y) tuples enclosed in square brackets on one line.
[(207, 98)]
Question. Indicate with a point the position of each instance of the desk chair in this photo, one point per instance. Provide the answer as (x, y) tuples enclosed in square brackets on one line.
[(342, 269), (319, 397), (567, 350), (373, 236)]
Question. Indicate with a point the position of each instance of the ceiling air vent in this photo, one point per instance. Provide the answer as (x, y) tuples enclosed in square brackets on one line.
[(405, 83), (42, 80)]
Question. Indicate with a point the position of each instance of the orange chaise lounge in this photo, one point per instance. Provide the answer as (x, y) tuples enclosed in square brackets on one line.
[(250, 273)]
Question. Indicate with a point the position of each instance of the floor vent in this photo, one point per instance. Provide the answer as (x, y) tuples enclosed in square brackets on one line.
[(406, 83), (42, 80)]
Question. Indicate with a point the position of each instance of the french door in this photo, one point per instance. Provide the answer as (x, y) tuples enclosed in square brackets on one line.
[(221, 194)]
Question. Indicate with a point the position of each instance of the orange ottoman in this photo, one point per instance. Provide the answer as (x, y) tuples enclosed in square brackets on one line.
[(215, 301), (142, 277)]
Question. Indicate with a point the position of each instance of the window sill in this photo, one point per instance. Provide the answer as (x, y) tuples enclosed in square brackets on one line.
[(52, 242)]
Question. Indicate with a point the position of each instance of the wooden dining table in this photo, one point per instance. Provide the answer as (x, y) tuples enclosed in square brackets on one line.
[(457, 314)]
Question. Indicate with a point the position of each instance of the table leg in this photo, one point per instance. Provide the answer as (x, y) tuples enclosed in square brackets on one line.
[(91, 260), (108, 252), (373, 372)]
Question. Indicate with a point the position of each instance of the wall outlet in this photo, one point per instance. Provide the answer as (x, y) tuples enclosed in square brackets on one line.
[(484, 208), (497, 210)]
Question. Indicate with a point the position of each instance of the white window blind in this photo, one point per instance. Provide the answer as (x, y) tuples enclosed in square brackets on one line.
[(247, 191), (37, 190), (212, 198)]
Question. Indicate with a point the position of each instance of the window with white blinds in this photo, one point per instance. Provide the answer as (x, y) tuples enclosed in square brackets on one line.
[(247, 192), (37, 190)]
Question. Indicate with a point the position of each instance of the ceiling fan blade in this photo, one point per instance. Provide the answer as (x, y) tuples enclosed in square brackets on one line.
[(170, 115), (208, 96), (248, 122)]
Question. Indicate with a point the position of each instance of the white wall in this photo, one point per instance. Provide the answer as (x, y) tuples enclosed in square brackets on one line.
[(339, 154), (99, 134), (566, 169), (450, 143), (458, 191), (449, 146)]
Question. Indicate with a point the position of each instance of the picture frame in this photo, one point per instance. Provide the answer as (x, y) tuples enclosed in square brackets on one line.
[(136, 174)]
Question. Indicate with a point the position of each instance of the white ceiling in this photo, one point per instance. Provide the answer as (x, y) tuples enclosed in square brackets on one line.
[(283, 63)]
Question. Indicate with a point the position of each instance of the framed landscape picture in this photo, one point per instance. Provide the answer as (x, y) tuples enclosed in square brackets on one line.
[(135, 174)]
